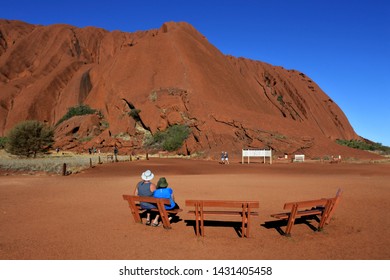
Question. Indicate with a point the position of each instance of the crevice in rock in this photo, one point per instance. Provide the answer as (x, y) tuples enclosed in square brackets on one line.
[(3, 44), (196, 138), (208, 141), (134, 113), (75, 45), (269, 99)]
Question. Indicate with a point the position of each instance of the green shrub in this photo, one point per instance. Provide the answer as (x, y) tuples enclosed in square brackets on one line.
[(280, 99), (3, 142), (171, 139), (364, 145), (79, 110), (29, 138)]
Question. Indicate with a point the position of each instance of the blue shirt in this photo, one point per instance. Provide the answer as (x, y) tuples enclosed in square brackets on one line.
[(165, 193)]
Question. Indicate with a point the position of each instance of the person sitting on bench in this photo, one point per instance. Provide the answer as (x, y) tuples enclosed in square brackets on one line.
[(163, 191), (146, 188)]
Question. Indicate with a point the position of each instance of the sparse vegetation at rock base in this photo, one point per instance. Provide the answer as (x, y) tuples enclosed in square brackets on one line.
[(365, 145), (169, 140)]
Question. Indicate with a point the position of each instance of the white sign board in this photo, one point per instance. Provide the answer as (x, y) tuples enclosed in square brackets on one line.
[(299, 158), (256, 153)]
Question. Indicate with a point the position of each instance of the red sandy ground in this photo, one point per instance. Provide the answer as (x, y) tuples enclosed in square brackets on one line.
[(83, 216)]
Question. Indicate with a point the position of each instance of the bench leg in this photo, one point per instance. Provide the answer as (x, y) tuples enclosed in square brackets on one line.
[(166, 223), (325, 214), (135, 212), (291, 220), (201, 221), (331, 210), (248, 225), (245, 225), (197, 218), (136, 216), (164, 216)]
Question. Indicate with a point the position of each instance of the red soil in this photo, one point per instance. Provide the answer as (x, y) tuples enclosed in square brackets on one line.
[(83, 216)]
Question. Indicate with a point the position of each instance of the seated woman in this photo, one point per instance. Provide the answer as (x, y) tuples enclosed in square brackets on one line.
[(146, 188), (163, 191)]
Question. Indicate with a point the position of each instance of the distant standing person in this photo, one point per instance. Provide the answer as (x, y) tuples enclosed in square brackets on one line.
[(146, 188), (163, 191), (226, 157), (116, 153), (222, 157)]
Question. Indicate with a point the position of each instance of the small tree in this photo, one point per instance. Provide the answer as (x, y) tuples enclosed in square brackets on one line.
[(29, 138), (78, 110)]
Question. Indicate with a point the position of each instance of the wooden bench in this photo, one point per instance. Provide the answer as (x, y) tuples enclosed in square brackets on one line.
[(136, 210), (321, 208), (215, 208)]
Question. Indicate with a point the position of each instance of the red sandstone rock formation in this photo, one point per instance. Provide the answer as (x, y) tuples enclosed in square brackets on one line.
[(171, 75)]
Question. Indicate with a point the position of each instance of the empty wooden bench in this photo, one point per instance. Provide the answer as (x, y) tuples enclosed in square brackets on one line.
[(217, 208), (322, 208), (136, 210)]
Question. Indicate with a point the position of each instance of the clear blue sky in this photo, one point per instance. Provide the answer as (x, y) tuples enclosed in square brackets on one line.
[(344, 46)]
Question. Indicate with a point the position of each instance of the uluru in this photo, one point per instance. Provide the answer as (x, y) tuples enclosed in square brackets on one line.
[(169, 76)]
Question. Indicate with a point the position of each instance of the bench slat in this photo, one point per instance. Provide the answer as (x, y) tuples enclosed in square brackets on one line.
[(226, 213), (306, 204), (171, 211), (299, 214), (224, 203), (149, 199)]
